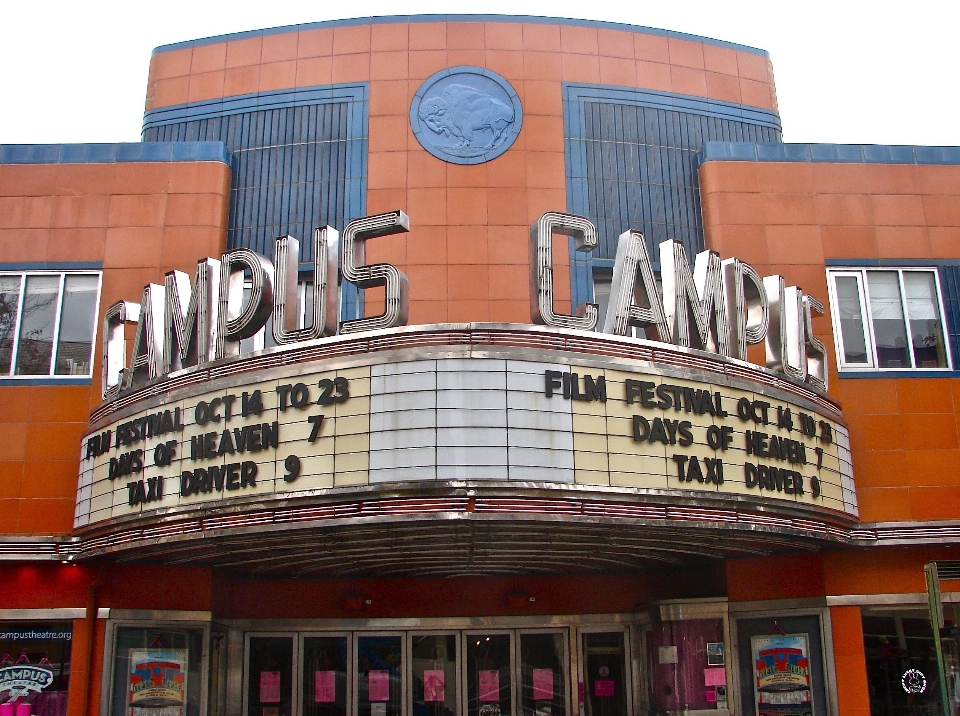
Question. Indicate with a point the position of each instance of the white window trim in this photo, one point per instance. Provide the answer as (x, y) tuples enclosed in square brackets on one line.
[(860, 272), (15, 347)]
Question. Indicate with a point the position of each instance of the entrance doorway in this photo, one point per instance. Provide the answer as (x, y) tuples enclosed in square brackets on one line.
[(463, 672)]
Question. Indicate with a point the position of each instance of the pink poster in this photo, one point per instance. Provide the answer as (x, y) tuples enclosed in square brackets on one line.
[(543, 684), (379, 685), (715, 677), (711, 697), (433, 685), (489, 685), (269, 687), (604, 687), (324, 687)]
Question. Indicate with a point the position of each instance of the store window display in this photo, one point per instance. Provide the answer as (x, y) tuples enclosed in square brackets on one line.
[(902, 673), (34, 669)]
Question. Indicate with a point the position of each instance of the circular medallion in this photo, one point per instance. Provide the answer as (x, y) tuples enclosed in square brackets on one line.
[(913, 681), (466, 115)]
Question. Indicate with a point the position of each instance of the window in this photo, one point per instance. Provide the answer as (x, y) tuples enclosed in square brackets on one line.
[(47, 323), (889, 319)]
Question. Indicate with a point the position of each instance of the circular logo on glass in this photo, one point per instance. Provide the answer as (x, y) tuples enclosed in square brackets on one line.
[(466, 115)]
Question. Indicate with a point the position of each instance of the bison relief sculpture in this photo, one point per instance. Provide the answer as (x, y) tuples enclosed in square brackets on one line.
[(474, 122)]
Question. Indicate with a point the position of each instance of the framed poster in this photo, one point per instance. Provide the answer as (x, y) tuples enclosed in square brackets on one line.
[(158, 682), (781, 666)]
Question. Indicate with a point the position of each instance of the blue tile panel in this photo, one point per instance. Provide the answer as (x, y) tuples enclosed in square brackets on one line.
[(393, 19), (299, 160), (113, 153), (828, 153), (631, 163)]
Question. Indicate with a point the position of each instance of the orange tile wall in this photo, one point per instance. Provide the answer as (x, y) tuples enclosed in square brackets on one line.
[(139, 220), (467, 254), (788, 218)]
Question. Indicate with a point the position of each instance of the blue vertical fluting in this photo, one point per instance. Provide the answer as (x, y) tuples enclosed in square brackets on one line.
[(298, 161), (631, 163), (950, 287)]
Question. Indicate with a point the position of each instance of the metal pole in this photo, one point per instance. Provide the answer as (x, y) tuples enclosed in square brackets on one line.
[(936, 623)]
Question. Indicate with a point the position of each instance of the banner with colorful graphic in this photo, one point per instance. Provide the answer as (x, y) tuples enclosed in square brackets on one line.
[(782, 675), (158, 682)]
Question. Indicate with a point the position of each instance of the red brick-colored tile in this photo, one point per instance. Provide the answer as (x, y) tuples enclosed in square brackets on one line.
[(174, 63), (756, 94), (543, 66), (508, 63), (541, 38), (243, 52), (503, 35), (208, 58), (466, 206), (720, 59), (686, 53), (350, 39), (428, 36), (723, 87), (580, 68), (279, 47), (315, 43), (686, 80), (241, 80), (465, 36), (388, 65), (468, 283), (752, 66), (618, 71), (578, 40)]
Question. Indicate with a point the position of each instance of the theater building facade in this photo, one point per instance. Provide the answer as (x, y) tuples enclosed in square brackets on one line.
[(476, 366)]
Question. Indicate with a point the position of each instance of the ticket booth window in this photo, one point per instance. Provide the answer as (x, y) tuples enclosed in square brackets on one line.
[(46, 648)]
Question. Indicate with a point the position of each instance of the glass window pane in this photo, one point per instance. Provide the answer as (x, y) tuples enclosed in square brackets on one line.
[(886, 311), (488, 675), (434, 670), (325, 676), (851, 320), (923, 311), (379, 674), (543, 673), (172, 657), (604, 674), (270, 676), (37, 325), (44, 646), (77, 317), (9, 304)]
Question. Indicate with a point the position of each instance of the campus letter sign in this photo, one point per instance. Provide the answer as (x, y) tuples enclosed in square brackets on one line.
[(719, 306)]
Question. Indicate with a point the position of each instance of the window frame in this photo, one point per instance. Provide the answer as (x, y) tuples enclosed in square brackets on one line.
[(863, 288), (61, 275)]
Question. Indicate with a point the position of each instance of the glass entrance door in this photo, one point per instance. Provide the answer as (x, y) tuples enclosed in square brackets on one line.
[(379, 671), (505, 672)]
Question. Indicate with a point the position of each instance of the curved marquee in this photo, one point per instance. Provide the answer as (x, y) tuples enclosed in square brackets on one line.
[(440, 431)]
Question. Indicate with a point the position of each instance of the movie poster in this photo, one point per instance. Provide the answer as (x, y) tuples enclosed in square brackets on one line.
[(158, 682), (782, 675)]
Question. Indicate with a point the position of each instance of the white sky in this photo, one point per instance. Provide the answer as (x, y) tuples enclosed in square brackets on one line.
[(847, 72)]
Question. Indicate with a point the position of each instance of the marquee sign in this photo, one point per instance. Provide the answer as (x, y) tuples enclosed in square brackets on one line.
[(306, 428), (305, 425)]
